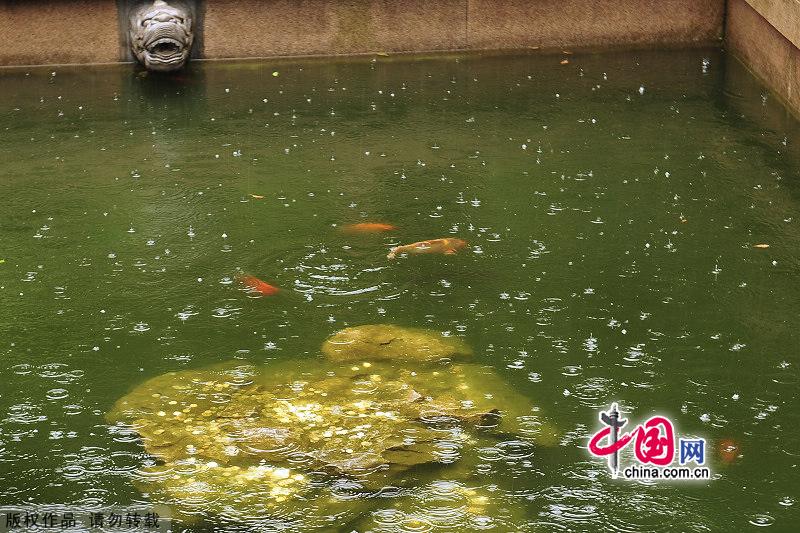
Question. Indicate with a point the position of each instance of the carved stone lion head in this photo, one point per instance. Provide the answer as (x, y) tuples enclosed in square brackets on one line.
[(161, 35)]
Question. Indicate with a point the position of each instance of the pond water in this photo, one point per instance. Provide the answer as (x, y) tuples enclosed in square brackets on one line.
[(611, 204)]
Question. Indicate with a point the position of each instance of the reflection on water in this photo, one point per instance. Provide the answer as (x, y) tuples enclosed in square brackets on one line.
[(611, 207)]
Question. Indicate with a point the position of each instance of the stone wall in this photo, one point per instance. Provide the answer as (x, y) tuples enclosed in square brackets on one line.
[(248, 28), (58, 31), (765, 35), (87, 31)]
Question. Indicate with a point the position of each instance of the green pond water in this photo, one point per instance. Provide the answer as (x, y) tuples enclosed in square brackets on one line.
[(611, 206)]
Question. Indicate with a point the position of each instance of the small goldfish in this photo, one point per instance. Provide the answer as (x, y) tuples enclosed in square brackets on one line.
[(565, 61), (446, 246), (256, 285), (368, 227), (257, 196), (728, 450), (763, 245)]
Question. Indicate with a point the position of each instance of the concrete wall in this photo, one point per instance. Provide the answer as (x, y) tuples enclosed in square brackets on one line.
[(248, 28), (765, 35), (87, 31), (58, 31)]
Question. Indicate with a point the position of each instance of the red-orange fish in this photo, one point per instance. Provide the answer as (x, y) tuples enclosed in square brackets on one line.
[(256, 285), (447, 246), (728, 450), (368, 227)]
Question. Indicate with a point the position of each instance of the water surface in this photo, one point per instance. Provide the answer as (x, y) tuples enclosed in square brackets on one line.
[(612, 206)]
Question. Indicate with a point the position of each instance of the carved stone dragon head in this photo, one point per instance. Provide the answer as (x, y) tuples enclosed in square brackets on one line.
[(161, 35)]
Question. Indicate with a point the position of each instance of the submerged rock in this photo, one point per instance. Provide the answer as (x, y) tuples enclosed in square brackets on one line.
[(269, 439), (386, 341)]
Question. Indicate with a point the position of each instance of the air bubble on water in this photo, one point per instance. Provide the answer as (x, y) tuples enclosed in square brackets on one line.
[(787, 501), (590, 344), (641, 89), (762, 520), (705, 417), (187, 313), (704, 64)]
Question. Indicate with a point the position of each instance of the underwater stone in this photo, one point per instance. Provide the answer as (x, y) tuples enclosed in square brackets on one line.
[(394, 343), (268, 439)]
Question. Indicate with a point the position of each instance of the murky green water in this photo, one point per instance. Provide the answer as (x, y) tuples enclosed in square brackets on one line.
[(612, 206)]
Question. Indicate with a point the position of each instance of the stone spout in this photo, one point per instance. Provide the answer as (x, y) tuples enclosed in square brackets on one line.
[(161, 35)]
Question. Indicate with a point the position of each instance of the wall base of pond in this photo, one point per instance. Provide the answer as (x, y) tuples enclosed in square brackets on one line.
[(39, 32), (765, 35), (58, 32), (253, 28)]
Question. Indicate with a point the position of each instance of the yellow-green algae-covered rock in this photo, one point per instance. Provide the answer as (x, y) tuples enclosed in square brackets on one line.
[(267, 440), (386, 341)]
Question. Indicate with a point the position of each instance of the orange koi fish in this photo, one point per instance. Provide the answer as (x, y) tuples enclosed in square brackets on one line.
[(368, 227), (445, 246), (728, 450), (256, 285)]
